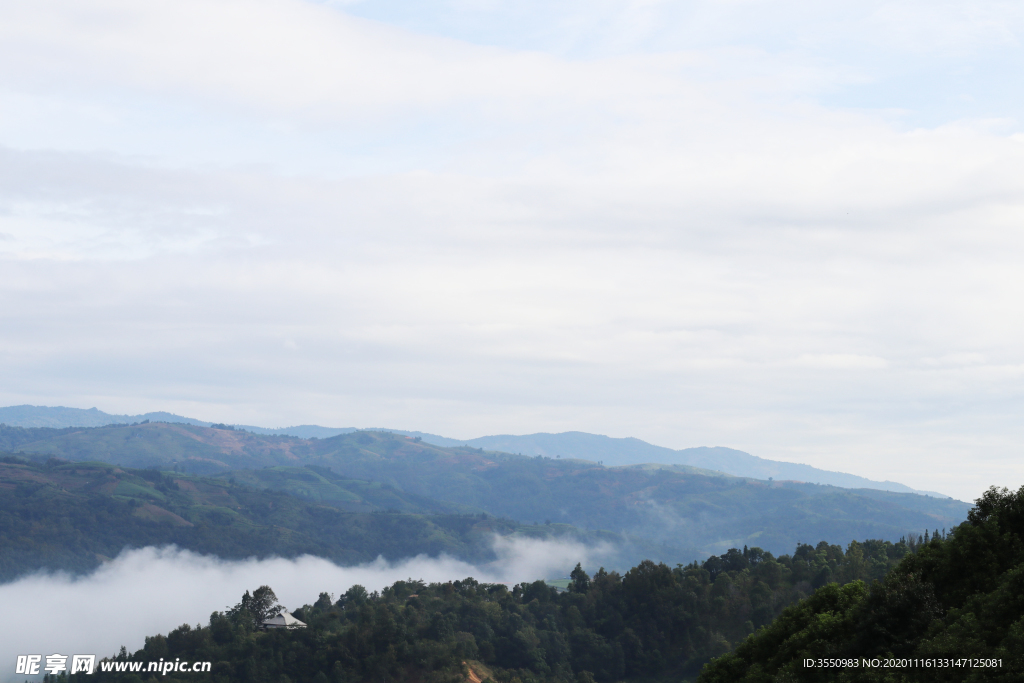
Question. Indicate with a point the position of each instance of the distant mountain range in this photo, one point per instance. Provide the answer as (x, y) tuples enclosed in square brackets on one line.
[(630, 451), (580, 445), (59, 417), (695, 511)]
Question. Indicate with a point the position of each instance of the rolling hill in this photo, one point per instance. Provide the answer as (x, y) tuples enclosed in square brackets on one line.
[(59, 417), (697, 510), (72, 516), (595, 447), (630, 451)]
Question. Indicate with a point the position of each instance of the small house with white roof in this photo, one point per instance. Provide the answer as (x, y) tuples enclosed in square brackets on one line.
[(283, 620)]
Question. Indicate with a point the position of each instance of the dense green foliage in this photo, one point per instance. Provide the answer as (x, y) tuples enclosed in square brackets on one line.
[(13, 438), (694, 512), (72, 516), (653, 622), (958, 596), (322, 485)]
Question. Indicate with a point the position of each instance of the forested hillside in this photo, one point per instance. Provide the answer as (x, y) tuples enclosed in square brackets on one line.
[(700, 511), (744, 616), (957, 604), (72, 516), (652, 623)]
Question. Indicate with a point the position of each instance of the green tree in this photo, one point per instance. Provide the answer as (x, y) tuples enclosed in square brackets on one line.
[(580, 580)]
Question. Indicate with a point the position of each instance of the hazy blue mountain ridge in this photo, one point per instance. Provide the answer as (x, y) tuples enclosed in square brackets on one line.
[(615, 452), (301, 431), (696, 511), (631, 451), (594, 447), (58, 417)]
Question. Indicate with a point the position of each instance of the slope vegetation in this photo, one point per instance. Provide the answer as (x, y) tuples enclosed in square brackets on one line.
[(953, 611), (651, 624), (700, 511), (72, 516), (631, 451)]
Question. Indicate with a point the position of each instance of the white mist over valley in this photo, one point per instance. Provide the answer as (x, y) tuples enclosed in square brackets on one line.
[(154, 590)]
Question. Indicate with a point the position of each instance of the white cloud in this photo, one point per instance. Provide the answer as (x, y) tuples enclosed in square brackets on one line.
[(120, 595), (283, 55), (275, 212), (842, 361)]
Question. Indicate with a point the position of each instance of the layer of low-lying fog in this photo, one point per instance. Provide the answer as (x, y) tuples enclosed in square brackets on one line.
[(154, 590)]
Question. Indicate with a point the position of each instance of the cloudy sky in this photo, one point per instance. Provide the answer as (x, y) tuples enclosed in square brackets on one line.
[(789, 227)]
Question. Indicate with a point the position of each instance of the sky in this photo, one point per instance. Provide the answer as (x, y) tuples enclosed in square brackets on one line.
[(120, 593), (789, 227)]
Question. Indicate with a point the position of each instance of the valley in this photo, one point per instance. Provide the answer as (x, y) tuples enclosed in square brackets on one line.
[(692, 511)]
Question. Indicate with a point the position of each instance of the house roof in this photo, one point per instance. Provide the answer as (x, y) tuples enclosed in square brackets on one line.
[(286, 619)]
